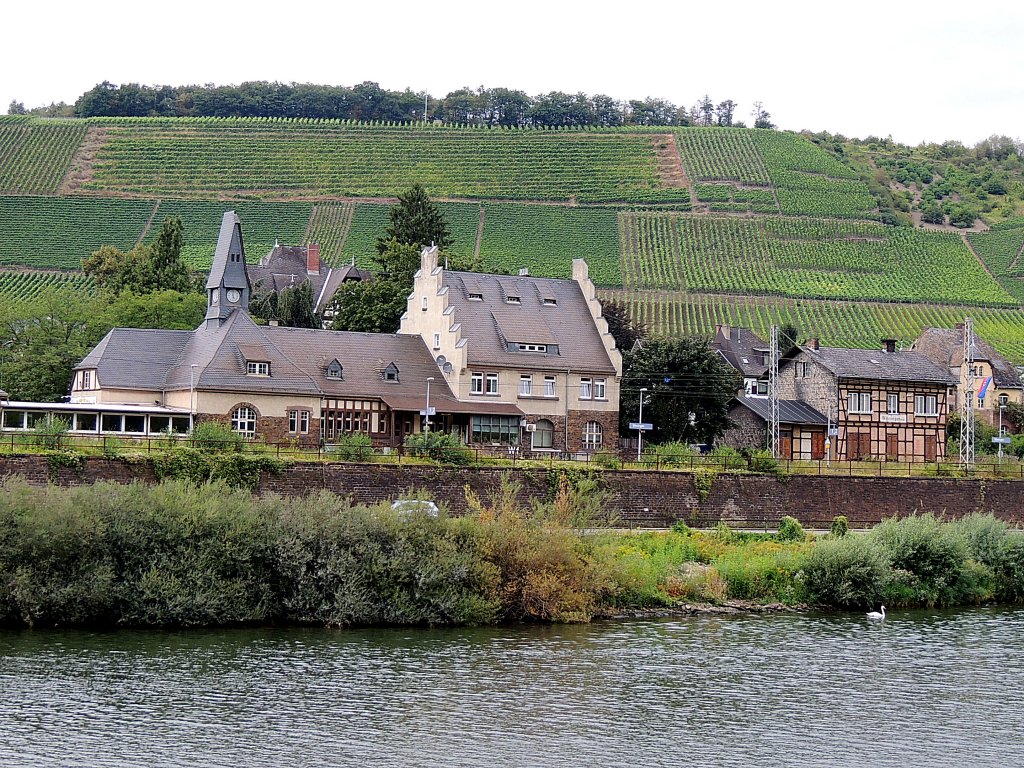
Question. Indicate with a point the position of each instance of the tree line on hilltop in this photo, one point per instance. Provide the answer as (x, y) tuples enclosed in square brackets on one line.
[(367, 101)]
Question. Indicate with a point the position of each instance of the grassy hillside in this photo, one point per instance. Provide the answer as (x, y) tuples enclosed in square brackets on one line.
[(692, 226)]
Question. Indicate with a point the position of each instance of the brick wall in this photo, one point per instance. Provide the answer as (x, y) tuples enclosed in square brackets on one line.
[(647, 499)]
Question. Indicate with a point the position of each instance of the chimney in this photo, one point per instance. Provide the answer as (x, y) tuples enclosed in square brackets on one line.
[(812, 343), (313, 259), (734, 334), (889, 346)]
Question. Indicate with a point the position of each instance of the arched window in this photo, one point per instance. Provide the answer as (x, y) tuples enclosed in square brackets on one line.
[(243, 419), (544, 435), (593, 435)]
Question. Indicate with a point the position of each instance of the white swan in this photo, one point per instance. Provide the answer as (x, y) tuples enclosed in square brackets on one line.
[(876, 616)]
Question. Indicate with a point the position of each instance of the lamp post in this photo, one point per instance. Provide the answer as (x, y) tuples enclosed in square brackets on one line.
[(1002, 408), (426, 413), (640, 419)]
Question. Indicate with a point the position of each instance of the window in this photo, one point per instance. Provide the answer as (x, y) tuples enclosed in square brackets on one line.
[(476, 383), (550, 302), (86, 379), (110, 422), (476, 297), (492, 383), (85, 422), (593, 435), (339, 417), (926, 405), (135, 423), (549, 386), (512, 300), (178, 425), (298, 421), (391, 372), (335, 370), (253, 368), (14, 419), (495, 429), (892, 402), (860, 402), (600, 389), (981, 403), (1004, 399), (525, 385), (243, 419), (533, 347), (800, 369), (437, 341), (544, 434), (756, 387), (586, 388), (423, 304)]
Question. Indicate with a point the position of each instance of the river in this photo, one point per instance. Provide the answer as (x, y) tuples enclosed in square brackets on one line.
[(938, 688)]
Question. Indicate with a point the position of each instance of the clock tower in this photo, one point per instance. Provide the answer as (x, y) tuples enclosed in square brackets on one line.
[(228, 286)]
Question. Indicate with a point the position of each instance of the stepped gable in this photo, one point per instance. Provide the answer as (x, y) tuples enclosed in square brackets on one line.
[(945, 346), (879, 365), (496, 310)]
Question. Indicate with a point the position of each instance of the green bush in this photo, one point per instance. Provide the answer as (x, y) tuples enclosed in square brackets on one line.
[(443, 447), (216, 437), (50, 433), (354, 446), (935, 553), (848, 572), (725, 457), (753, 575), (840, 526), (673, 454), (763, 461), (790, 530)]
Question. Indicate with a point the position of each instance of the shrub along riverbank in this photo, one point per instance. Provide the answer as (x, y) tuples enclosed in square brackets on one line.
[(180, 554)]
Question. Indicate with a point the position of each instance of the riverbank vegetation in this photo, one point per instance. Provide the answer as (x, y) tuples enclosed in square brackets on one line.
[(179, 554)]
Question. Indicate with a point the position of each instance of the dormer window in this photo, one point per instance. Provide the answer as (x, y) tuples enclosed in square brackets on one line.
[(335, 370), (533, 347), (550, 301), (512, 300), (391, 372), (476, 297), (256, 368)]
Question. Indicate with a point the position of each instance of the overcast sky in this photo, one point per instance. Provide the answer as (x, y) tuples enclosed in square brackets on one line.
[(917, 71)]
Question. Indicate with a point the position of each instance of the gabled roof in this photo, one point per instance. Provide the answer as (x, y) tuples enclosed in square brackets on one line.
[(741, 348), (490, 323), (790, 411), (229, 241), (136, 358), (944, 346), (877, 365)]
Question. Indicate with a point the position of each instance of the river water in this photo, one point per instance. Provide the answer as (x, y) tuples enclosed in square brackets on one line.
[(924, 688)]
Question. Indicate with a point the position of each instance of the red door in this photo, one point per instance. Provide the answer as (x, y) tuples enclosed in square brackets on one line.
[(817, 445)]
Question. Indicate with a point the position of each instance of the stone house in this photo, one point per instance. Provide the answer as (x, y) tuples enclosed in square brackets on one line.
[(885, 404), (538, 346), (997, 382), (748, 353), (802, 429)]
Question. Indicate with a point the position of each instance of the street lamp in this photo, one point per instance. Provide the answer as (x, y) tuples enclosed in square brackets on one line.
[(426, 413), (640, 419), (1002, 407)]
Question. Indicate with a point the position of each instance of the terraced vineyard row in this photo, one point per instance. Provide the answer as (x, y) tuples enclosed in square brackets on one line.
[(820, 258), (1002, 250), (17, 285), (836, 323), (143, 158), (34, 156), (328, 226)]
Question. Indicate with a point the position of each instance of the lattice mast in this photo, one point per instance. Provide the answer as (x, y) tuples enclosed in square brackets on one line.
[(967, 402), (773, 394)]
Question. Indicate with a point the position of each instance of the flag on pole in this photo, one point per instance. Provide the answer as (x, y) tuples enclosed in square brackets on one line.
[(984, 387)]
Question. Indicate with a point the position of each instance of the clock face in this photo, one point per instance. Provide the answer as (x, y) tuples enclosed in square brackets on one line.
[(234, 296)]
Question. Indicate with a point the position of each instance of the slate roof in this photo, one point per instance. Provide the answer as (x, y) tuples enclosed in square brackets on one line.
[(741, 348), (944, 346), (285, 267), (877, 365), (148, 360), (489, 324), (790, 411)]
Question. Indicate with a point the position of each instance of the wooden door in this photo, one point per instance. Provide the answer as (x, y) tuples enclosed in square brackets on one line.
[(786, 443), (929, 448), (817, 445), (892, 448), (859, 445)]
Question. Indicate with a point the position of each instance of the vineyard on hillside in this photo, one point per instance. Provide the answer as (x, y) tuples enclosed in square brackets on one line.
[(296, 160), (814, 258), (35, 155), (17, 285), (1002, 249), (836, 323)]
